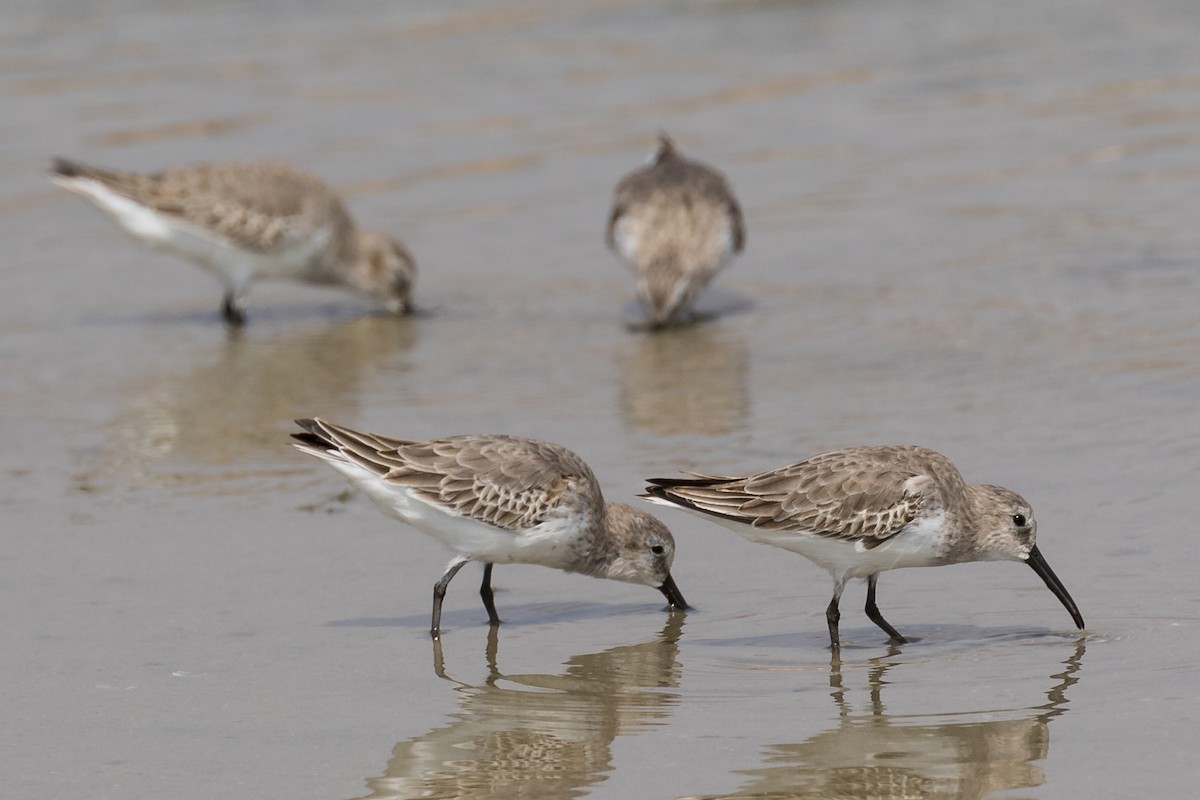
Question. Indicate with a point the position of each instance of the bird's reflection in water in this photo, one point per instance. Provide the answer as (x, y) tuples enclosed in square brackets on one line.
[(684, 380), (532, 735), (881, 757), (226, 414)]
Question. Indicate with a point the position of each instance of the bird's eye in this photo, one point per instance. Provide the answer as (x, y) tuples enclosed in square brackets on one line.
[(1019, 520), (657, 549)]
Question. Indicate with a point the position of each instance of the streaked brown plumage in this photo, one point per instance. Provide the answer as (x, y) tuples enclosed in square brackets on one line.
[(677, 223), (500, 499), (248, 221), (863, 510)]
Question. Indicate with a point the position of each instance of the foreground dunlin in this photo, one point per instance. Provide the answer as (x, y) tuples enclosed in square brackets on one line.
[(677, 223), (500, 500), (249, 221), (860, 511)]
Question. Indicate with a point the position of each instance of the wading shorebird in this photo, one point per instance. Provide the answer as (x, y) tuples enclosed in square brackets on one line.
[(249, 221), (861, 511), (677, 223), (500, 500)]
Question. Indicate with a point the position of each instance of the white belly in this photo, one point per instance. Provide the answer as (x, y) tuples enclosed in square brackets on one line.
[(548, 544), (917, 546), (236, 266)]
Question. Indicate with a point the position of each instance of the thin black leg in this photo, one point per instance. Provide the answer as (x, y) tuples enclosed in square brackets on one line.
[(439, 594), (833, 615), (485, 591), (231, 310), (439, 662), (874, 615)]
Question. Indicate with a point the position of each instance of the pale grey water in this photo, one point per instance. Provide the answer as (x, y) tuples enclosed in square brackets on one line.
[(972, 225)]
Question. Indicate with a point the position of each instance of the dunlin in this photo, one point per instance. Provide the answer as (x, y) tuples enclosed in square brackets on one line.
[(860, 511), (249, 221), (677, 223), (500, 500)]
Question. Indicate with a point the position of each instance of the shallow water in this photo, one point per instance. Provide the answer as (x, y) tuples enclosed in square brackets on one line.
[(970, 225)]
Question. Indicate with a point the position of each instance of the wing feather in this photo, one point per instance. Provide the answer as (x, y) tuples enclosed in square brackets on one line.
[(866, 494), (506, 481)]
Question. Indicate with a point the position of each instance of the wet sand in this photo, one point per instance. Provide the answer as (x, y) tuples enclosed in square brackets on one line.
[(970, 226)]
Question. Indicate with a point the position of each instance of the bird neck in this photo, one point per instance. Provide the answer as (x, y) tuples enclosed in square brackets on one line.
[(339, 260), (967, 515), (598, 555)]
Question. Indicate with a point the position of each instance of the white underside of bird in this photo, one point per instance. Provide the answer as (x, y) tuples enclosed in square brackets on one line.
[(543, 544), (234, 265)]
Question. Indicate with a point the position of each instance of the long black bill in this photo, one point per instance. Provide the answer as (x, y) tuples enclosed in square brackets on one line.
[(673, 595), (1055, 585)]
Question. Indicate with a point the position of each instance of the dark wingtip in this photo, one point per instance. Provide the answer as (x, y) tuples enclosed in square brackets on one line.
[(660, 488), (62, 168), (313, 436), (654, 490), (668, 483), (311, 440)]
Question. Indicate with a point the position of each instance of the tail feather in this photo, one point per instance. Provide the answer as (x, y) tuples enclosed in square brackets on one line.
[(666, 148), (337, 443), (662, 495), (316, 442), (312, 441), (66, 170), (663, 491), (697, 479), (109, 189), (654, 491), (63, 168), (313, 436)]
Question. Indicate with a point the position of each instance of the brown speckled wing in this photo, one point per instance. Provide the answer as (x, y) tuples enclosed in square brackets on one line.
[(866, 493), (505, 481), (258, 205), (703, 182), (675, 179)]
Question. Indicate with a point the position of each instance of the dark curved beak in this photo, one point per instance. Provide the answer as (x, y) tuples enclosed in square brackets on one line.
[(1055, 585), (673, 595)]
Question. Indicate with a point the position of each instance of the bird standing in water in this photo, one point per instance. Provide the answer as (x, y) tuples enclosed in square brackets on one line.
[(500, 500), (249, 221), (861, 511), (677, 223)]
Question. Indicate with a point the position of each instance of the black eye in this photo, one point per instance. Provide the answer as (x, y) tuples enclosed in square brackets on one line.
[(657, 549), (1019, 520)]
